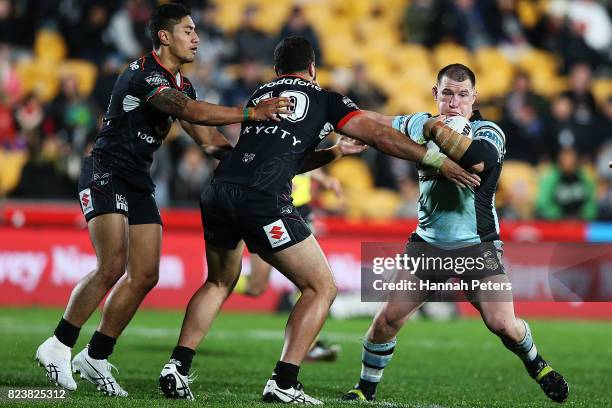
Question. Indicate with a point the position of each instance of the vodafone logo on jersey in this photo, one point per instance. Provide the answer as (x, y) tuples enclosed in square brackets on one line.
[(277, 233)]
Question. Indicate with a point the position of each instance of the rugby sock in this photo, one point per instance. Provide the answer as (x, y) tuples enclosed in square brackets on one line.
[(525, 349), (101, 346), (182, 356), (66, 333), (285, 374), (374, 358)]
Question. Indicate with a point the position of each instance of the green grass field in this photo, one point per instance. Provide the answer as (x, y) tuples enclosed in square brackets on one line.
[(455, 364)]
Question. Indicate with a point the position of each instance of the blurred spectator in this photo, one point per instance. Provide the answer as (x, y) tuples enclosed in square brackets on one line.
[(10, 82), (297, 25), (43, 175), (128, 26), (250, 42), (585, 107), (555, 33), (214, 46), (8, 133), (250, 76), (73, 115), (18, 22), (585, 116), (524, 115), (365, 93), (206, 81), (591, 20), (29, 116), (566, 191), (421, 23), (463, 22), (194, 169), (87, 37), (503, 24)]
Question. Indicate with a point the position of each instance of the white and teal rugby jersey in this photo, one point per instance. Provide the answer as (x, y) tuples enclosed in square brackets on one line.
[(447, 212)]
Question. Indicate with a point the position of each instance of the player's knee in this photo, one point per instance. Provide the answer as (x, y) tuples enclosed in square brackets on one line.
[(145, 281), (500, 323), (108, 273), (327, 290)]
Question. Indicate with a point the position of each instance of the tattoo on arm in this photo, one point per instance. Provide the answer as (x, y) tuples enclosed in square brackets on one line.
[(170, 101)]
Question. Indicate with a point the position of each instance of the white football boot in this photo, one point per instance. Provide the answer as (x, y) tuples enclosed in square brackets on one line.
[(173, 384), (293, 395), (97, 372), (55, 356)]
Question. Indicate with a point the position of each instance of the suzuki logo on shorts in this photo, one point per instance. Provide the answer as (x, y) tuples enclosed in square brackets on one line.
[(277, 233), (248, 157), (121, 202), (86, 201)]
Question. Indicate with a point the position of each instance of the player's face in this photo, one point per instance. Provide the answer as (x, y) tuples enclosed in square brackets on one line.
[(184, 44), (455, 98)]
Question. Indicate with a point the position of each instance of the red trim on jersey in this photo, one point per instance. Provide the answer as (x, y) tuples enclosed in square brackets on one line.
[(171, 75), (346, 118), (157, 90)]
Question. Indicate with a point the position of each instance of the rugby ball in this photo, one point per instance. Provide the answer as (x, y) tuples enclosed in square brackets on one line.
[(460, 125)]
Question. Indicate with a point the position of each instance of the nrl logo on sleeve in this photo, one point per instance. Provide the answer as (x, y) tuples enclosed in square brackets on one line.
[(277, 233), (156, 79), (349, 103)]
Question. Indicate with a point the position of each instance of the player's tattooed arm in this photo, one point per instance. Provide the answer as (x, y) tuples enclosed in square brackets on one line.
[(378, 117), (344, 146), (179, 105), (391, 141)]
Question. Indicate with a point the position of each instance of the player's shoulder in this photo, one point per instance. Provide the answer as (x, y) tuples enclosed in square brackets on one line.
[(481, 125), (149, 69)]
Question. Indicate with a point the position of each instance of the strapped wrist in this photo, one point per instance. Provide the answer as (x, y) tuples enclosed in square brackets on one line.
[(433, 158)]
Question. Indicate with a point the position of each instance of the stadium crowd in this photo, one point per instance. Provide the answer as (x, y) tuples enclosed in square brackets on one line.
[(544, 68)]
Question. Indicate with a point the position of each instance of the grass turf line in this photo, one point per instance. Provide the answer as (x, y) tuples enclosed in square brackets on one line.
[(454, 364)]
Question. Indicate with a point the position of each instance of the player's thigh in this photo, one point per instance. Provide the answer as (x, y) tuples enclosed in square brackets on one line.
[(218, 220), (304, 264), (145, 251), (110, 239), (224, 264), (495, 306)]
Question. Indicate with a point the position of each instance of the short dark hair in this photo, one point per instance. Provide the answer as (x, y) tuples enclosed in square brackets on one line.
[(457, 72), (293, 54), (165, 17)]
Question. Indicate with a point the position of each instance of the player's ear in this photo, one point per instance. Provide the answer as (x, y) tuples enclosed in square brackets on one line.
[(275, 70), (164, 37), (434, 92), (311, 69)]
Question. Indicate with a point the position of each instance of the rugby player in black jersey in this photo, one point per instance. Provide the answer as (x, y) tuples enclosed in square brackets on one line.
[(249, 201), (116, 193)]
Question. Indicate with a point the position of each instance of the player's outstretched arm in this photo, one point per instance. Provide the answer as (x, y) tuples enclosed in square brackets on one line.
[(390, 141), (343, 147), (379, 117), (180, 106), (210, 139)]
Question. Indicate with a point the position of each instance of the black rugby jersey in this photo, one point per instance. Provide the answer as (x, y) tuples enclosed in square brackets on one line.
[(133, 129), (268, 154)]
